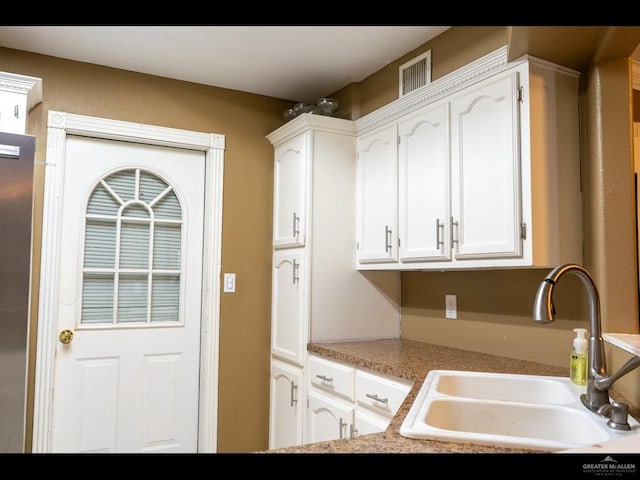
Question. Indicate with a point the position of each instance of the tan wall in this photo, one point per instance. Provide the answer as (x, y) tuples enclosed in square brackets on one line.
[(494, 313), (244, 119)]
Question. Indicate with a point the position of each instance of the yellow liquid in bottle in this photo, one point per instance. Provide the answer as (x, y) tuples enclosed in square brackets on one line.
[(578, 369)]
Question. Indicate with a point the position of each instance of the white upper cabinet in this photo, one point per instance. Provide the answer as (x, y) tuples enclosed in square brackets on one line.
[(485, 170), (290, 187), (377, 236), (18, 95), (488, 171), (424, 185), (12, 112)]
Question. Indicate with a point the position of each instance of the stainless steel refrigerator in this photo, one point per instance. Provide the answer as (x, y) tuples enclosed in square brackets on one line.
[(16, 208)]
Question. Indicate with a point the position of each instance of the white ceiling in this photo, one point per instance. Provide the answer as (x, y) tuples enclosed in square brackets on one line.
[(299, 63)]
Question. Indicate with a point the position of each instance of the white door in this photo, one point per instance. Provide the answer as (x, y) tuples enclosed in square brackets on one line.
[(130, 293)]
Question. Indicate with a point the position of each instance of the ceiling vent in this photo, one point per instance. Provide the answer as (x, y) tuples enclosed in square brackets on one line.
[(415, 73)]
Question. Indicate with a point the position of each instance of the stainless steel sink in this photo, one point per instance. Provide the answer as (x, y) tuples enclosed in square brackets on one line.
[(508, 410)]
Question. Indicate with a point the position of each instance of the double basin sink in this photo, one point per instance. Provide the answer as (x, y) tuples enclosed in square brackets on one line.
[(507, 410)]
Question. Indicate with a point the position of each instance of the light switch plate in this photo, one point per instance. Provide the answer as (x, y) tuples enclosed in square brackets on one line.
[(229, 283)]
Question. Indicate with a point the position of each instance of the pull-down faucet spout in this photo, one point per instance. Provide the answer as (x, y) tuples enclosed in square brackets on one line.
[(598, 383)]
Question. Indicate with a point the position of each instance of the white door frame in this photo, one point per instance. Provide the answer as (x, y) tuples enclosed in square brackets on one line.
[(61, 124)]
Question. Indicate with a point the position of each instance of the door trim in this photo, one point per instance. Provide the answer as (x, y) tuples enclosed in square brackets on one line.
[(61, 124)]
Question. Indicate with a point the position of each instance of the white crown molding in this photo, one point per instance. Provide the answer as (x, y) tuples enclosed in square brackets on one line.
[(439, 88), (475, 71), (311, 121), (22, 84)]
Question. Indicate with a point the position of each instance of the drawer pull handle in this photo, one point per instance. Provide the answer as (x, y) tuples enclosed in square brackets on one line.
[(325, 379), (377, 398)]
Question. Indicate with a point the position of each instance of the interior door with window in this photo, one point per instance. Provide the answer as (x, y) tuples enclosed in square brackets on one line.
[(126, 373)]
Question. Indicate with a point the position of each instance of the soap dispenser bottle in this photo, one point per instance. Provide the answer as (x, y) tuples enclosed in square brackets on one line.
[(578, 365)]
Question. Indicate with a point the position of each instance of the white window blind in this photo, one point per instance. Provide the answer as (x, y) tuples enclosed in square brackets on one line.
[(132, 266)]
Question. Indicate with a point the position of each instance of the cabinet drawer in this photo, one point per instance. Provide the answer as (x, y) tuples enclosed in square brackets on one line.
[(332, 376), (381, 394)]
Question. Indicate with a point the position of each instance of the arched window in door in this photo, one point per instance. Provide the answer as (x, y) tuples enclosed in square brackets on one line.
[(132, 267)]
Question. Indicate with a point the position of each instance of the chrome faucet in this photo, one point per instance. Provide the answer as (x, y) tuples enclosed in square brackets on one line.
[(596, 398)]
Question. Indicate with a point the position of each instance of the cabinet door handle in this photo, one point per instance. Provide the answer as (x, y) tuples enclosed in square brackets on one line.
[(325, 379), (296, 265), (296, 225), (342, 426), (439, 241), (294, 394), (454, 238), (387, 239), (377, 398)]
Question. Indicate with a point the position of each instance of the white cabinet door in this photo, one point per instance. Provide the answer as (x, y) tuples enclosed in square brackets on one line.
[(368, 422), (286, 405), (378, 196), (290, 187), (424, 185), (327, 418), (485, 168), (289, 316), (13, 112)]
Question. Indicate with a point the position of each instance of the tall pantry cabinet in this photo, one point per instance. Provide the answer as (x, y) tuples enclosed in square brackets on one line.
[(317, 293)]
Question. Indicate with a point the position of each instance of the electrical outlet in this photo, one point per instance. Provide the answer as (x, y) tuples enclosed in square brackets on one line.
[(450, 306)]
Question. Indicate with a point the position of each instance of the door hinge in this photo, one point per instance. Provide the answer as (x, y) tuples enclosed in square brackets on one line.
[(523, 231)]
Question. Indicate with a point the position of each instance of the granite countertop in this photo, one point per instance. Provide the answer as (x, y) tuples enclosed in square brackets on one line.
[(412, 360)]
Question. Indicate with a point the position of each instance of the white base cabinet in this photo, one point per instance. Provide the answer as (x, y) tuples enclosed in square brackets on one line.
[(347, 401), (488, 171), (328, 417), (287, 402)]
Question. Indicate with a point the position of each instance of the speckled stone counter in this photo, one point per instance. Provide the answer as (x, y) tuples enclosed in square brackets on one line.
[(413, 360)]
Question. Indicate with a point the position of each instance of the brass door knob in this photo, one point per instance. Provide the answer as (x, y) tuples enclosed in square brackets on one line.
[(65, 336)]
